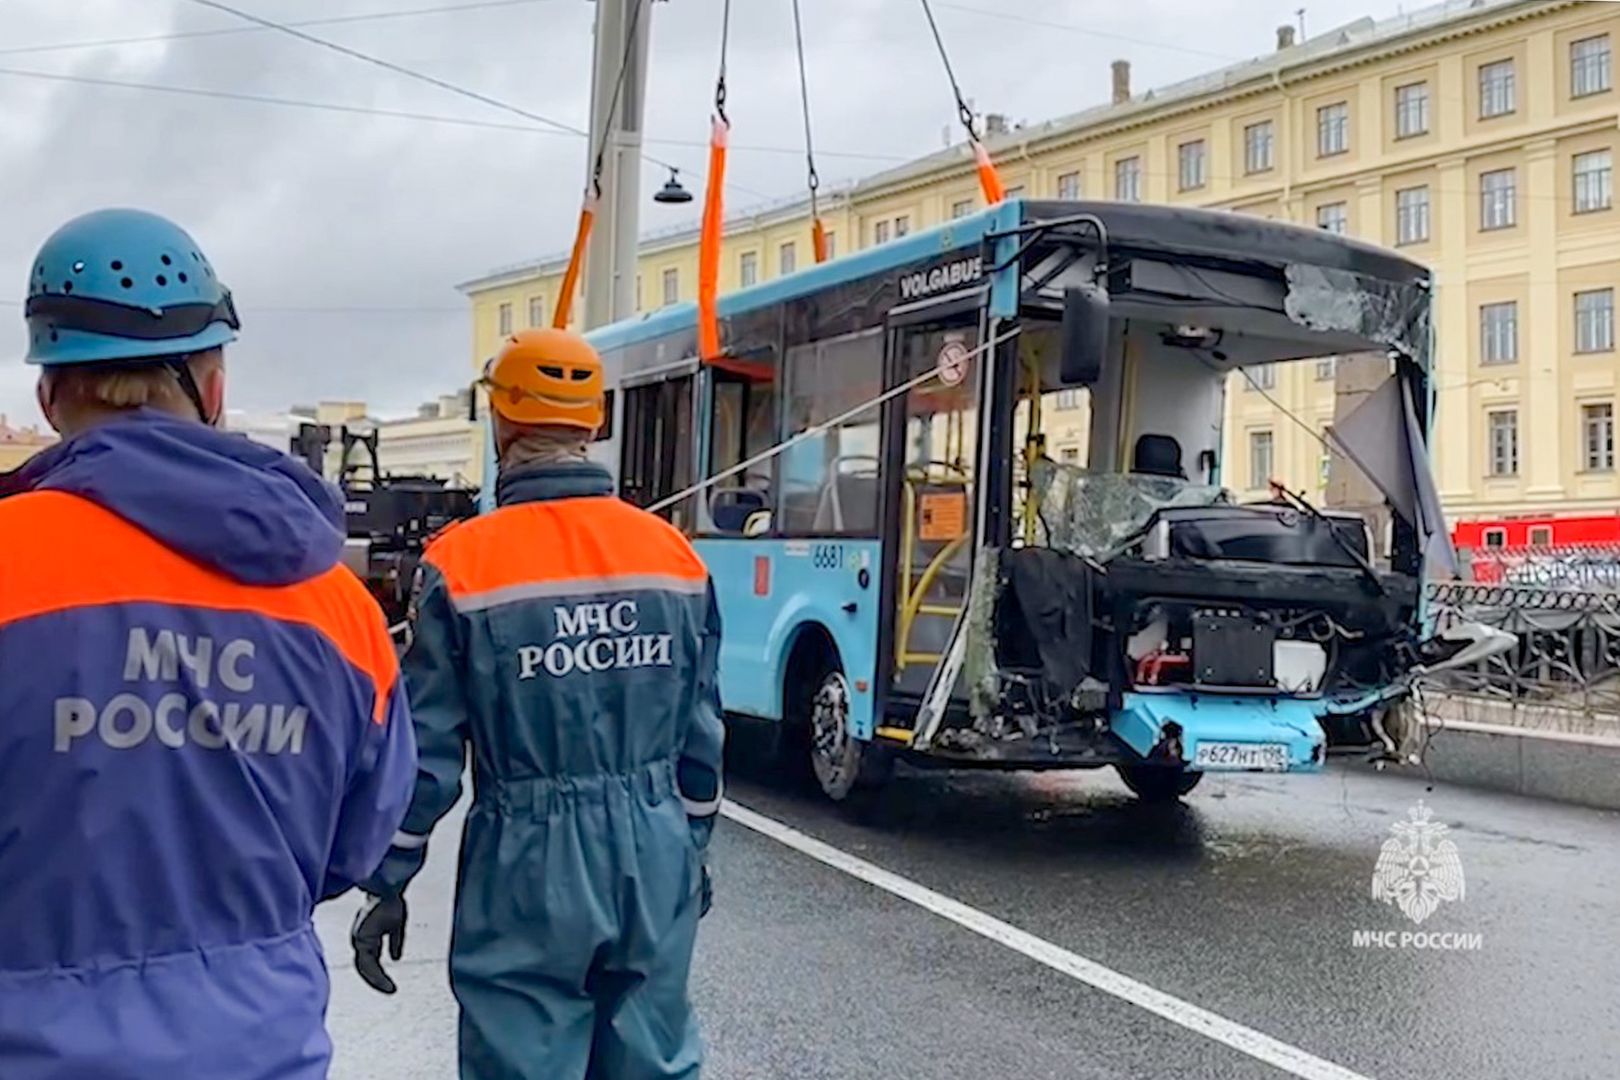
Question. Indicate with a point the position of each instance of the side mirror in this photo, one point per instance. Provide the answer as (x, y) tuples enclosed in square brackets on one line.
[(1084, 334)]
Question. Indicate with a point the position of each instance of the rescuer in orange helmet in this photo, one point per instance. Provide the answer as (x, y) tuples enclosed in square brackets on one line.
[(573, 640)]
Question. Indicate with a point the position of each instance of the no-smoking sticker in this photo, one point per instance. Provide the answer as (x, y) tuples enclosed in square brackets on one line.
[(953, 362)]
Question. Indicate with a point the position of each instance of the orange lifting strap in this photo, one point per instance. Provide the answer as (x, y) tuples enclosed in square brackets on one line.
[(818, 234), (989, 178), (576, 262), (709, 244)]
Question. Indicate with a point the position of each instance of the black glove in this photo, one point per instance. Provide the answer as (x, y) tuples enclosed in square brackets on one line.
[(378, 921), (708, 892)]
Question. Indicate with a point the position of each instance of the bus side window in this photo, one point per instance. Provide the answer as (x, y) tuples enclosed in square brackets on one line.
[(744, 426), (828, 483), (656, 449)]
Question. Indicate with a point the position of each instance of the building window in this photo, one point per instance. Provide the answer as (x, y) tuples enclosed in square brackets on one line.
[(1496, 538), (1190, 156), (961, 208), (1334, 217), (1332, 129), (1069, 186), (1259, 459), (537, 311), (902, 226), (1594, 321), (1326, 368), (1068, 399), (1016, 191), (1589, 66), (1412, 215), (1541, 536), (880, 233), (787, 258), (1504, 428), (1324, 464), (748, 268), (1499, 333), (832, 245), (1597, 436), (1594, 181), (1128, 179), (1498, 199), (1411, 110), (503, 319), (672, 287), (1496, 90), (1260, 377), (1258, 142)]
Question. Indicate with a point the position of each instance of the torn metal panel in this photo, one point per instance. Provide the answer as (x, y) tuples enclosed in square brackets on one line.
[(979, 671), (1383, 312), (1095, 515)]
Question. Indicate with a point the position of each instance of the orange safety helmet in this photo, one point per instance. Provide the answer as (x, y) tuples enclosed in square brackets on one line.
[(546, 377)]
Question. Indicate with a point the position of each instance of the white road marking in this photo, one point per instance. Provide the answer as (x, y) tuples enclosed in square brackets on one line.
[(1246, 1040)]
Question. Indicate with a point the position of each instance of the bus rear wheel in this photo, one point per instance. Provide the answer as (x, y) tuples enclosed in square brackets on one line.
[(844, 765), (1158, 783)]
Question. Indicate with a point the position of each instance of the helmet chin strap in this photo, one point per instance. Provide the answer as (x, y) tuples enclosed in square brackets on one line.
[(181, 367)]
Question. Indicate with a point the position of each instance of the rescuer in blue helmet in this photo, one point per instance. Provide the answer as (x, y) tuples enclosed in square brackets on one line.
[(202, 731)]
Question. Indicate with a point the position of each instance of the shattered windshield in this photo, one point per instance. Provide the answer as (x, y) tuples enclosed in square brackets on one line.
[(1096, 514)]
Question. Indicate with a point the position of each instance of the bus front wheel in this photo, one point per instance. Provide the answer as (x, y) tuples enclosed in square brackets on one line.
[(844, 765), (1158, 783)]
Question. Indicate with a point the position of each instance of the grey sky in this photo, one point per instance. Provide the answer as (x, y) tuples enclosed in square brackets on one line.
[(305, 211)]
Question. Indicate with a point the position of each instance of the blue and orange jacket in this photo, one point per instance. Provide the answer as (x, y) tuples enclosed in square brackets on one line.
[(202, 736), (571, 639)]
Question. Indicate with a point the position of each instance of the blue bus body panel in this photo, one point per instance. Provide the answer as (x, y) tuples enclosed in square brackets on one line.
[(804, 583), (1211, 718)]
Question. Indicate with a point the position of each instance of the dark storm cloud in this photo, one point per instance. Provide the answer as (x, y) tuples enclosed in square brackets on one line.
[(305, 210)]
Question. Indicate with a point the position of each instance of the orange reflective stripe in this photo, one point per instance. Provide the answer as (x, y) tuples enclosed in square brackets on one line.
[(63, 552), (595, 543)]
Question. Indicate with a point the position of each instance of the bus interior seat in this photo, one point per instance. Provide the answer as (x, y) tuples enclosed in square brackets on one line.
[(1158, 455), (730, 508), (848, 504)]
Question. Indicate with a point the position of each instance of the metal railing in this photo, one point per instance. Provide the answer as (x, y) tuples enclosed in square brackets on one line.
[(1564, 673)]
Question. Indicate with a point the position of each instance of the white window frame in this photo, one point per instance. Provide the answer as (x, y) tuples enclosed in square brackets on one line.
[(1597, 436), (1594, 321), (880, 232), (1412, 215), (1333, 129), (1499, 205), (1260, 377), (747, 269), (1412, 110), (787, 258), (961, 208), (1259, 147), (1334, 217), (503, 319), (672, 286), (1592, 180), (1128, 179), (1327, 367), (1590, 72), (537, 311), (1499, 332), (1068, 185), (1192, 159), (902, 225), (1494, 538), (1498, 89), (1502, 458), (1260, 478)]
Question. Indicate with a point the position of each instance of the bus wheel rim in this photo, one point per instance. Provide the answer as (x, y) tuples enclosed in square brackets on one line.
[(829, 726)]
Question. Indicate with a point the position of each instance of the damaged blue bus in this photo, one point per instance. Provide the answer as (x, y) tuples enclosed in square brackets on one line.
[(924, 578)]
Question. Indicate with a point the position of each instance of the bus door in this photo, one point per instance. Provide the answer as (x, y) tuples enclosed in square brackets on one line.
[(657, 447), (933, 438)]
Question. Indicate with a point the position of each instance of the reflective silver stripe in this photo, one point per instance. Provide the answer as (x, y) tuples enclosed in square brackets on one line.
[(409, 841), (709, 808), (580, 586)]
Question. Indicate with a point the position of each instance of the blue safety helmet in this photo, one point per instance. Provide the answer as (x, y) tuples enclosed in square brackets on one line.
[(120, 286)]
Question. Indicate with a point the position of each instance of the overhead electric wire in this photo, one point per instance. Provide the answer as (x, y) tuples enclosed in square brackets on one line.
[(423, 77), (401, 114), (227, 31)]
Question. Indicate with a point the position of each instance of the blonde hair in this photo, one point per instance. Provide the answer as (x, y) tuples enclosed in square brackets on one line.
[(147, 384)]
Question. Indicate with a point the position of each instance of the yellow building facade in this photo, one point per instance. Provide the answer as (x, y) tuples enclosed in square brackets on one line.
[(1477, 137)]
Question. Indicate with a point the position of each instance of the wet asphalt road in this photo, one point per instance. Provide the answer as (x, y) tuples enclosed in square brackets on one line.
[(1242, 901)]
